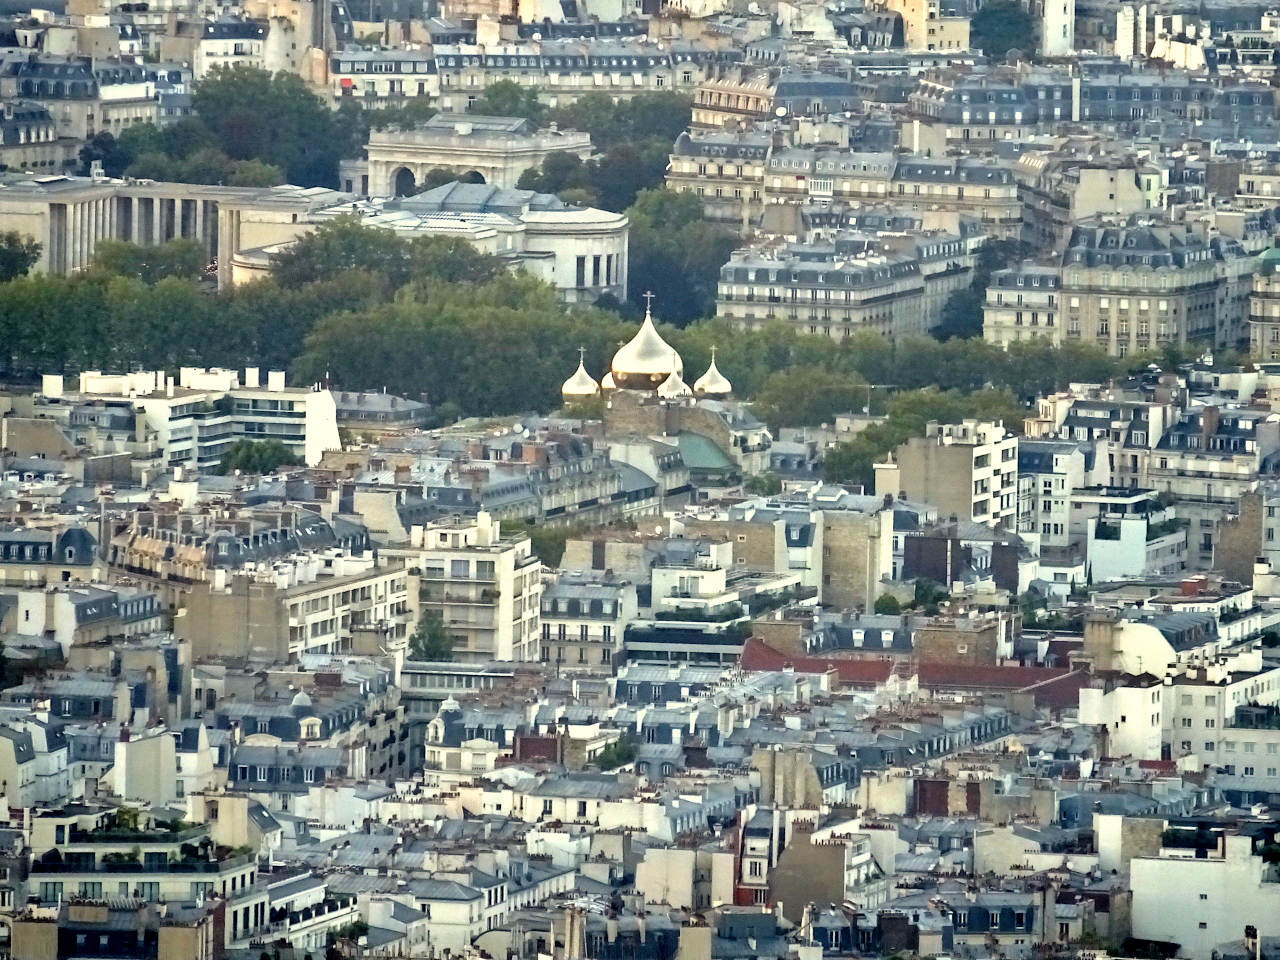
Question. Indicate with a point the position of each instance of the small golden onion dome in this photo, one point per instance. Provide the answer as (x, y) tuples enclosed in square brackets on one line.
[(606, 382), (581, 384), (713, 383), (646, 361), (673, 388)]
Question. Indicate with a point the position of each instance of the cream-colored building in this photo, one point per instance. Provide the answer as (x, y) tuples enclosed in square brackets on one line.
[(893, 285), (581, 251), (560, 71), (192, 420), (585, 614), (1134, 284), (487, 588), (698, 879), (380, 78), (1022, 303), (967, 469), (69, 216), (330, 602), (931, 25), (739, 175)]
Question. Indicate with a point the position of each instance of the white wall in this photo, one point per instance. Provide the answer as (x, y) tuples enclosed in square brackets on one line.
[(1203, 903)]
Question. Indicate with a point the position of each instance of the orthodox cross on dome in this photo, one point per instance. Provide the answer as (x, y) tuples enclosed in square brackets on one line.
[(648, 301)]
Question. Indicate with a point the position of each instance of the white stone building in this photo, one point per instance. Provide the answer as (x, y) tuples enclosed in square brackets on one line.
[(191, 421), (496, 149), (1201, 902)]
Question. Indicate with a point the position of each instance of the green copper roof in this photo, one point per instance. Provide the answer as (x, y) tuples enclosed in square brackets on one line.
[(700, 453)]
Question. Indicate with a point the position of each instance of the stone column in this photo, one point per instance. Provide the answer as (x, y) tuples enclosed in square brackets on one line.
[(156, 221), (199, 234), (228, 242), (91, 231), (177, 218), (76, 260)]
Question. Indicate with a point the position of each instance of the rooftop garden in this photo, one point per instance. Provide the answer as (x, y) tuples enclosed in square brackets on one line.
[(127, 825)]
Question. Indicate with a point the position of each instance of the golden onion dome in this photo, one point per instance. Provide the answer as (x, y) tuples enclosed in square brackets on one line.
[(581, 384), (673, 388), (606, 382), (713, 383), (646, 360)]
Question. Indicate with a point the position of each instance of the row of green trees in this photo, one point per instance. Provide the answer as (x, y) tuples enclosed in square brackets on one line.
[(368, 309), (149, 306)]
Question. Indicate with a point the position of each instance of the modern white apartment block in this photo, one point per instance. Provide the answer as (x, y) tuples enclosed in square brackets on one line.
[(192, 420)]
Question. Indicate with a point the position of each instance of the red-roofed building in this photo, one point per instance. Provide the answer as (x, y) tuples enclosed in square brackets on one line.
[(1051, 687), (862, 674)]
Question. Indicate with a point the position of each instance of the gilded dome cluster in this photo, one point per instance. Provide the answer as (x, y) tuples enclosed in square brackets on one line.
[(647, 363)]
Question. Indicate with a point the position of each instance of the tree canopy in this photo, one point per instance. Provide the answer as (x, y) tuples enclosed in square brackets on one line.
[(366, 309), (675, 251), (634, 139), (251, 128), (257, 457), (431, 641), (506, 98), (18, 254), (273, 118), (962, 313), (617, 754), (1000, 26), (180, 258), (852, 461), (887, 605)]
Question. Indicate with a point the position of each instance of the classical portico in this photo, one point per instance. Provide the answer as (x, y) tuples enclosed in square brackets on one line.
[(69, 216)]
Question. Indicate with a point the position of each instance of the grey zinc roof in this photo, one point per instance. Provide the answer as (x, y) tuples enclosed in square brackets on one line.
[(603, 788), (296, 887), (430, 889), (381, 937)]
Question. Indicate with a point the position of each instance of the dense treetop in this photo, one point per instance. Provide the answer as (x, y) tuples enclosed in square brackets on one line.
[(367, 309)]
